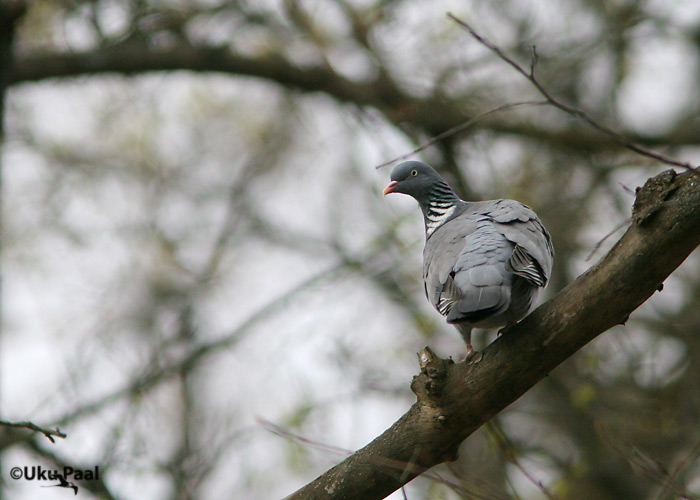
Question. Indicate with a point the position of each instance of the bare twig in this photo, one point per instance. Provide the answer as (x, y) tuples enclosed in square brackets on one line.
[(49, 433), (432, 475), (282, 432), (682, 466), (647, 465), (576, 112), (157, 372), (533, 61), (461, 127), (602, 240), (509, 452)]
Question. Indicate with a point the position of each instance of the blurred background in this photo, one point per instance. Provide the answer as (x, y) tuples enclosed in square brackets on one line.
[(204, 288)]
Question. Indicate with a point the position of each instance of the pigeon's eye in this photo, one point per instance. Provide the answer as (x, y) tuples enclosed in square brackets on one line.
[(414, 172)]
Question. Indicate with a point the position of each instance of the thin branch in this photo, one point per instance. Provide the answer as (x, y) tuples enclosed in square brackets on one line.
[(432, 475), (682, 466), (282, 432), (647, 465), (602, 240), (576, 112), (49, 433), (461, 127), (157, 373), (509, 452), (533, 61)]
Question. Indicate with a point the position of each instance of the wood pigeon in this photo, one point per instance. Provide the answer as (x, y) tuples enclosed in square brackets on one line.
[(484, 261)]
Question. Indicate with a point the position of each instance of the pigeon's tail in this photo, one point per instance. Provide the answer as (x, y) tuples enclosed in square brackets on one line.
[(522, 297), (458, 316), (479, 303)]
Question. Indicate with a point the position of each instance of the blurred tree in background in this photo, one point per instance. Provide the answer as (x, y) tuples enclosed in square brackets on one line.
[(203, 287)]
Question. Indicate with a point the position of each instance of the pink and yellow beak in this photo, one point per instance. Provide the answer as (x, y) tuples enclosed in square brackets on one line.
[(390, 188)]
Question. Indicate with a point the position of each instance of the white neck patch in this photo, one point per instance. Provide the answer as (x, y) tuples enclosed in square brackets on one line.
[(438, 213)]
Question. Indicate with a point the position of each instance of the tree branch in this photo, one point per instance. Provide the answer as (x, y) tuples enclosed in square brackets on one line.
[(49, 433), (134, 58), (432, 115), (456, 399), (571, 110), (461, 128)]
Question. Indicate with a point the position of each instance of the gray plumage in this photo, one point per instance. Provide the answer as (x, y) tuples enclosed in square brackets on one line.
[(483, 262)]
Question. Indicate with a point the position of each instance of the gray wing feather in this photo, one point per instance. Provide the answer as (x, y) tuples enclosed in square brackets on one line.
[(533, 255), (464, 267), (480, 274), (469, 262)]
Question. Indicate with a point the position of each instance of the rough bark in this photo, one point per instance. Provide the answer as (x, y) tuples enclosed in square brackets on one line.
[(453, 400)]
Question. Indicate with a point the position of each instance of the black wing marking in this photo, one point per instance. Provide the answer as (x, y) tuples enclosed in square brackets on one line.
[(522, 264)]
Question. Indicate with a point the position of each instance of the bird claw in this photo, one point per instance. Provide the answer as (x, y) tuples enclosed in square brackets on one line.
[(503, 330), (473, 357)]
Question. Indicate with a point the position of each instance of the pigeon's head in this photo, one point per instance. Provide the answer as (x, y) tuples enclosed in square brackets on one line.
[(413, 178)]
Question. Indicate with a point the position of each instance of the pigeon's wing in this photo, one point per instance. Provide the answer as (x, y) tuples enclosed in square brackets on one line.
[(469, 263), (465, 268), (442, 249), (533, 254)]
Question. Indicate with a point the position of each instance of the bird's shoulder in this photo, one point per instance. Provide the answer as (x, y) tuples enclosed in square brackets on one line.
[(468, 217), (504, 211), (462, 223)]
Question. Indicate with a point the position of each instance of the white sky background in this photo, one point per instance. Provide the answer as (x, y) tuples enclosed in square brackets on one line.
[(69, 272)]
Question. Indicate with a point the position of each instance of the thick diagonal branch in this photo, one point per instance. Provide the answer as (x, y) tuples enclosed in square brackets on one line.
[(664, 231)]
